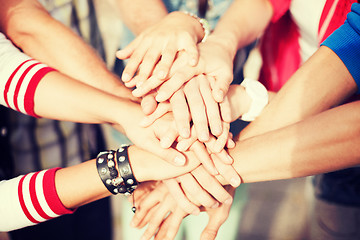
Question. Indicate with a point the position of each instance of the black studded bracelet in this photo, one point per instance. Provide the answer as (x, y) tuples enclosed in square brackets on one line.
[(125, 170)]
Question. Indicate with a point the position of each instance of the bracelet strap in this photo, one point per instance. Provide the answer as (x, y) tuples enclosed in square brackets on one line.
[(106, 166), (203, 22), (125, 169)]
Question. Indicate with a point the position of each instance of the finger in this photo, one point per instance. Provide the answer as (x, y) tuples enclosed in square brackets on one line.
[(174, 83), (181, 113), (202, 154), (211, 230), (149, 61), (212, 107), (230, 143), (170, 155), (196, 191), (157, 218), (185, 143), (212, 186), (134, 62), (168, 138), (225, 110), (171, 225), (140, 215), (148, 85), (143, 206), (191, 50), (148, 103), (226, 171), (129, 49), (180, 197), (161, 109), (197, 109), (166, 61), (148, 217), (222, 155), (221, 86), (222, 139)]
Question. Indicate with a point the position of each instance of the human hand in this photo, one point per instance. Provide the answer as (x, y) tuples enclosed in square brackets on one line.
[(158, 46), (213, 62), (164, 224), (148, 138), (197, 188)]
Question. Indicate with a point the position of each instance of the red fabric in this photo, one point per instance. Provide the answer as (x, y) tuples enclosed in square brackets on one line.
[(51, 195), (280, 7), (18, 85), (22, 202), (7, 86), (34, 198), (280, 53), (30, 93), (343, 7), (280, 44)]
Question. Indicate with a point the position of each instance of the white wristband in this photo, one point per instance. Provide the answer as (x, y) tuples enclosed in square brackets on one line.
[(203, 22), (259, 96)]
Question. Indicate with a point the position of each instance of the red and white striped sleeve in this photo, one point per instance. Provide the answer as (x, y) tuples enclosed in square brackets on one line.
[(29, 199), (19, 77)]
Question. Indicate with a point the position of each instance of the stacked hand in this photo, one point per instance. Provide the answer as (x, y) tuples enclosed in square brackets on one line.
[(183, 86)]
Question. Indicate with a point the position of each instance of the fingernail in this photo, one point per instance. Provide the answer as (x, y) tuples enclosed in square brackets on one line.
[(125, 77), (160, 97), (136, 92), (165, 142), (204, 136), (219, 95), (218, 130), (231, 144), (185, 132), (235, 181), (228, 201), (230, 159), (216, 205), (181, 147), (192, 62), (161, 75), (179, 160)]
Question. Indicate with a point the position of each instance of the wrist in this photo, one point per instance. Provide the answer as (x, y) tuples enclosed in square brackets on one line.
[(200, 26), (147, 166), (240, 101), (228, 46)]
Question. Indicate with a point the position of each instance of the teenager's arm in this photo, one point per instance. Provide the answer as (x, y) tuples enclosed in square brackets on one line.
[(39, 35)]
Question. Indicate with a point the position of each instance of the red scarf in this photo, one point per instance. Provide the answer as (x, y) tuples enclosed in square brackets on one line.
[(280, 47)]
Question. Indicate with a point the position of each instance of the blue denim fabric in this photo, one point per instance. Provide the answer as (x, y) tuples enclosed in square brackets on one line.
[(340, 187), (213, 14)]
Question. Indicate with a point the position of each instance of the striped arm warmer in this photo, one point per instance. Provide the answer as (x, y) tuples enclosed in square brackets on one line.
[(29, 199), (19, 77)]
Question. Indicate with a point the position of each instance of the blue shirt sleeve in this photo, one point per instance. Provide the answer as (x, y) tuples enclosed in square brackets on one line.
[(345, 42)]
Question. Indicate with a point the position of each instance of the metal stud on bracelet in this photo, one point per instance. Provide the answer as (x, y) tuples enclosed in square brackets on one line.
[(106, 169), (126, 172)]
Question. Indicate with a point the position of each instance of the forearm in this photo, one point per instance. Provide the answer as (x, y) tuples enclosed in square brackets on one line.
[(138, 15), (60, 97), (145, 167), (243, 22), (322, 143), (311, 90), (38, 36)]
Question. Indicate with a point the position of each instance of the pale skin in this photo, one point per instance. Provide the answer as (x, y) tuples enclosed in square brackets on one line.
[(307, 135), (69, 53), (165, 37)]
